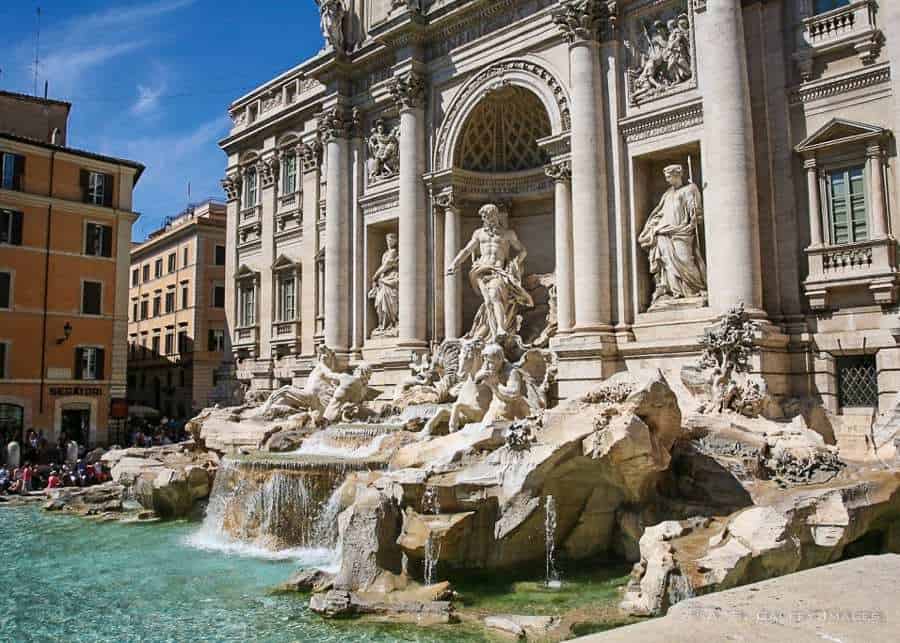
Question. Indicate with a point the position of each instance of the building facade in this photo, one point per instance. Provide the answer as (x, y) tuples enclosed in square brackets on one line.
[(65, 230), (176, 329), (662, 160)]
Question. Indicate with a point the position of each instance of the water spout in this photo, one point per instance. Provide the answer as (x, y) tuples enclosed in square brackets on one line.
[(553, 580), (431, 505)]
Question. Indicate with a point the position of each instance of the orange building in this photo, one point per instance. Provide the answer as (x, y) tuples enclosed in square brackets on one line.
[(65, 235)]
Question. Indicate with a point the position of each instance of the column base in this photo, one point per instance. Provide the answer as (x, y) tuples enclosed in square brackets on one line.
[(584, 360)]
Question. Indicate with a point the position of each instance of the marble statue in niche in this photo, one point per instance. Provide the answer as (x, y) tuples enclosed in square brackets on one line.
[(384, 151), (385, 290), (498, 262), (661, 55), (671, 239), (331, 13)]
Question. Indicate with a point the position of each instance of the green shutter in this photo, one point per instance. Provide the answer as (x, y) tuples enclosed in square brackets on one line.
[(847, 205)]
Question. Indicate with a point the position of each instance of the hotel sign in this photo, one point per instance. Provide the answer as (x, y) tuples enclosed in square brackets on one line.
[(86, 391)]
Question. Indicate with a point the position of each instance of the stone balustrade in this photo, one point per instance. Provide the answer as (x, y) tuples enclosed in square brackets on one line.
[(852, 26), (871, 264)]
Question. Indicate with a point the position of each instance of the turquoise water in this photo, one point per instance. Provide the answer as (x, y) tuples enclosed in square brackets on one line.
[(69, 579)]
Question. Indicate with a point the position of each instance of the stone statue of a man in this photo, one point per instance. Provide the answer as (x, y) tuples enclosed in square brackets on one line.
[(332, 14), (498, 259), (385, 289), (671, 239)]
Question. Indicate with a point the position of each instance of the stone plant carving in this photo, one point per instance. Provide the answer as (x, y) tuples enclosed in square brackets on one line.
[(722, 374), (661, 55), (384, 152), (496, 275), (332, 13), (385, 290), (672, 241)]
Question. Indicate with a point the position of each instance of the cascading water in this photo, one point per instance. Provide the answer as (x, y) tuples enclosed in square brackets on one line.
[(431, 505), (553, 579)]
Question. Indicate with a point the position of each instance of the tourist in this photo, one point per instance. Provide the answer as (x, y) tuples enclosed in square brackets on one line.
[(27, 474), (4, 479), (54, 481)]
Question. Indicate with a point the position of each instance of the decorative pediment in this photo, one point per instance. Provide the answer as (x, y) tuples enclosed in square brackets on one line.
[(245, 272), (839, 132), (283, 263)]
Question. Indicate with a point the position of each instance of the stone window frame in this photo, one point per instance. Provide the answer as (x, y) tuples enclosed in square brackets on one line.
[(81, 298), (244, 275), (11, 304), (282, 269)]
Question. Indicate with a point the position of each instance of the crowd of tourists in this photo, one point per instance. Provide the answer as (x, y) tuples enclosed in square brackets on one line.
[(37, 477)]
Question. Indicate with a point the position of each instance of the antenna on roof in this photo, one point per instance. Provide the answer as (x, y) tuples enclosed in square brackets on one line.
[(37, 50)]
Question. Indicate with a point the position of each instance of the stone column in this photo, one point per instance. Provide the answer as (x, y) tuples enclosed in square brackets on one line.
[(309, 155), (358, 250), (815, 203), (408, 91), (581, 23), (562, 226), (335, 127), (267, 173), (876, 189), (732, 237), (231, 185), (452, 283)]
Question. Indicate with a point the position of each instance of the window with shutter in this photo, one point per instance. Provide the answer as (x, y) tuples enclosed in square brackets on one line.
[(847, 208), (134, 312), (135, 277), (3, 352), (91, 298), (250, 189), (144, 309), (12, 171), (158, 268), (170, 301), (98, 240), (156, 306), (219, 297), (94, 185), (11, 227), (171, 262), (184, 257), (220, 255), (184, 297), (5, 289), (154, 344), (89, 363), (146, 272), (170, 343)]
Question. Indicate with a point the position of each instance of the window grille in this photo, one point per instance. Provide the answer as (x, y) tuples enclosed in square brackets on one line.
[(857, 381)]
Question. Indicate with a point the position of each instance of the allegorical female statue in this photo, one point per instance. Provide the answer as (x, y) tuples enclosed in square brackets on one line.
[(331, 14), (385, 290), (671, 238)]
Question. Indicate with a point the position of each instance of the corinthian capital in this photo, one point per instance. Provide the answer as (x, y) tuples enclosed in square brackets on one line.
[(585, 19), (232, 186), (408, 90), (337, 122), (561, 171)]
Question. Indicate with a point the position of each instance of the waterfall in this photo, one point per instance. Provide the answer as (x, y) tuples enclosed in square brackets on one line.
[(431, 505), (553, 579), (274, 509)]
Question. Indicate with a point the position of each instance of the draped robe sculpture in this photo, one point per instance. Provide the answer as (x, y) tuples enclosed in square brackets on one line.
[(385, 290)]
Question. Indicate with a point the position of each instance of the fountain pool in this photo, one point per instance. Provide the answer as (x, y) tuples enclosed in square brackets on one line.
[(71, 579)]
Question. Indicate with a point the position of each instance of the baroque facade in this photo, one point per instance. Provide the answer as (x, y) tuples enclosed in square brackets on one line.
[(659, 161)]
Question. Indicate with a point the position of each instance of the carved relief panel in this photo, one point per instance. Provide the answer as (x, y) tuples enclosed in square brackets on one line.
[(659, 40)]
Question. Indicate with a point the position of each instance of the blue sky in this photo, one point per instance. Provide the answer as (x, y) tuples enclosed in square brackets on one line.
[(151, 80)]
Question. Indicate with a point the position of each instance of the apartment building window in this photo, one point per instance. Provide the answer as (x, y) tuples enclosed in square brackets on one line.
[(184, 343), (134, 312), (170, 301), (170, 343), (144, 309), (821, 6), (184, 257), (220, 255), (219, 297), (847, 209), (89, 363), (157, 302), (250, 188), (11, 227), (5, 290), (185, 303), (96, 188), (135, 277), (98, 240), (157, 268), (12, 171), (216, 340), (92, 298), (4, 352), (171, 261), (247, 304), (286, 297), (154, 344), (289, 174)]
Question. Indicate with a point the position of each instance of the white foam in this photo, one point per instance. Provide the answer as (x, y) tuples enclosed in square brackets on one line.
[(318, 557), (317, 445)]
